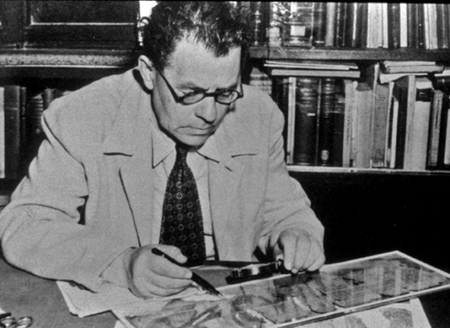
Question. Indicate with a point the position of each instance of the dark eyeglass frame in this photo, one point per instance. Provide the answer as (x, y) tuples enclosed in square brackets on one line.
[(216, 94)]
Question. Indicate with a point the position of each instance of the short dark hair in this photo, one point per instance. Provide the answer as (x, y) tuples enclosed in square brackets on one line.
[(219, 26)]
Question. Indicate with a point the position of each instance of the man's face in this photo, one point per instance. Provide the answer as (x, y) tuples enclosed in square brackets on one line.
[(193, 68)]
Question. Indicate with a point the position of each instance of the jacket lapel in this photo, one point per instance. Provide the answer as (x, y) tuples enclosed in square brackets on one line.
[(232, 139), (130, 141)]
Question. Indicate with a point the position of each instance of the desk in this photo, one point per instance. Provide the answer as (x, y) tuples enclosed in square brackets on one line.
[(24, 294)]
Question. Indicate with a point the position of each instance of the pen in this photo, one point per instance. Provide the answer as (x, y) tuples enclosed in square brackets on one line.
[(195, 277)]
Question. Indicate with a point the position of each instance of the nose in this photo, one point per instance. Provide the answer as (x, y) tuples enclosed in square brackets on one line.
[(206, 110)]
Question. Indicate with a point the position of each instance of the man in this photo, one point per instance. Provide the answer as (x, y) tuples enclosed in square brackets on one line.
[(95, 201)]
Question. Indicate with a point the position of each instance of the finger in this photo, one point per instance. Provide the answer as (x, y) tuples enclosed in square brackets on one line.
[(164, 267), (174, 252), (288, 243), (318, 263), (315, 253), (302, 251), (167, 282)]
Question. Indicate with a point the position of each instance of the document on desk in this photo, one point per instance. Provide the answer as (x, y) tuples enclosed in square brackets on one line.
[(338, 290)]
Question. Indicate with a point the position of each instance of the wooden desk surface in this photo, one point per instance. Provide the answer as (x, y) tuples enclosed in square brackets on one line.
[(24, 294)]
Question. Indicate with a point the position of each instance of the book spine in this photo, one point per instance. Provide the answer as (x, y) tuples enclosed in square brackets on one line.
[(338, 115), (435, 130), (23, 124), (349, 94), (394, 25), (330, 26), (417, 143), (292, 99), (305, 121), (420, 26), (341, 24), (35, 109), (380, 119), (412, 25), (12, 131), (280, 95), (356, 31), (326, 126), (2, 133), (442, 25), (444, 138), (319, 23)]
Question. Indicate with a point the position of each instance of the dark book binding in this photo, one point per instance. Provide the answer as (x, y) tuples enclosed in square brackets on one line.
[(12, 131), (393, 25), (319, 23), (326, 123), (305, 121)]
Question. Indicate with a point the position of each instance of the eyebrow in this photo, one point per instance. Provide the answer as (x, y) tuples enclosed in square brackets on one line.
[(192, 86)]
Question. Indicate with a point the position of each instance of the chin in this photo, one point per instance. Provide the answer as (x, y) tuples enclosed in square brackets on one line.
[(193, 141)]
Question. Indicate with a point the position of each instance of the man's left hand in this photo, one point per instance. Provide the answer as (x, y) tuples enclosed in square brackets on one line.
[(299, 251)]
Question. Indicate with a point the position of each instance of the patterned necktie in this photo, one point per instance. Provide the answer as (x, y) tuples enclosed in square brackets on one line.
[(182, 223)]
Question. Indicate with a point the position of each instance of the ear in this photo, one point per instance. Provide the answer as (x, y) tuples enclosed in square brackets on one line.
[(147, 70)]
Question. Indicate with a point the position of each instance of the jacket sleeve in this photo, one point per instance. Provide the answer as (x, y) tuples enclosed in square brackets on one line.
[(42, 230), (286, 205)]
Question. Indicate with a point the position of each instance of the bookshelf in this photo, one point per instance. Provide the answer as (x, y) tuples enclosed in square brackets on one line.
[(404, 32)]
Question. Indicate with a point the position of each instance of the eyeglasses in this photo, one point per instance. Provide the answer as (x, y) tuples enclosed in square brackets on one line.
[(225, 97)]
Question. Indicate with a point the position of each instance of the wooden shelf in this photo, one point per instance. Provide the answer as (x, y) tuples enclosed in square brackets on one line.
[(297, 53), (64, 63), (341, 170)]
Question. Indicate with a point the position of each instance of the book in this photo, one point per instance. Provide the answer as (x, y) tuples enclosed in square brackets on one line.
[(352, 74), (418, 122), (420, 26), (341, 24), (394, 25), (412, 36), (326, 122), (435, 130), (338, 117), (430, 26), (403, 25), (380, 123), (405, 97), (35, 132), (393, 67), (292, 93), (319, 23), (349, 110), (330, 24), (356, 26), (306, 104), (443, 33), (280, 94), (362, 146), (12, 130), (2, 133)]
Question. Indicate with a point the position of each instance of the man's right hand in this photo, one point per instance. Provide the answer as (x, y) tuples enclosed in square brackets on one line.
[(150, 275)]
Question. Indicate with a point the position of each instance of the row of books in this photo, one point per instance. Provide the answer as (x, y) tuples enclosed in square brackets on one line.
[(20, 126), (351, 24), (394, 122)]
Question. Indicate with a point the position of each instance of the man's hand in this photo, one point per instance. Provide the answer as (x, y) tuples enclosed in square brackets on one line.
[(150, 275), (299, 251)]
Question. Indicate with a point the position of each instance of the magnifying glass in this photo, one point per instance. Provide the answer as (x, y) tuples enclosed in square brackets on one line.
[(254, 271)]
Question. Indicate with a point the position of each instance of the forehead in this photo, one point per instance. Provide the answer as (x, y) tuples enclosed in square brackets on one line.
[(192, 63)]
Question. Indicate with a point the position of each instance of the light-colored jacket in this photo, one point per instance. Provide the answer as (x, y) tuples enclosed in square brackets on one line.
[(88, 195)]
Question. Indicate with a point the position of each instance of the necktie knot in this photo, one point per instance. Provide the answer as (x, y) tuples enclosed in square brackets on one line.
[(181, 152)]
